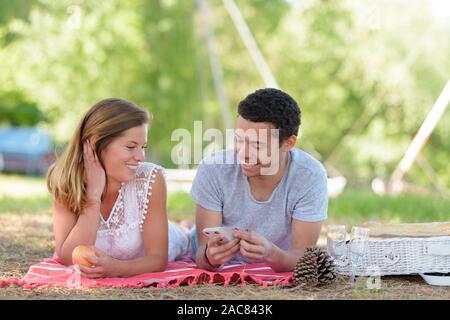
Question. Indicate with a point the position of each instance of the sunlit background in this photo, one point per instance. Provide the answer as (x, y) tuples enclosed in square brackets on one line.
[(366, 74), (371, 77)]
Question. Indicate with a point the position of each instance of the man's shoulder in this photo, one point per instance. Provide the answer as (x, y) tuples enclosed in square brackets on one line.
[(305, 164)]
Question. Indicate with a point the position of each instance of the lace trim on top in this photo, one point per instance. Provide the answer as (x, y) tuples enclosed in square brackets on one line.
[(144, 187), (116, 218), (138, 190)]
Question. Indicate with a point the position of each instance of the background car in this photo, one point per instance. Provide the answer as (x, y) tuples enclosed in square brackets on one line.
[(28, 150)]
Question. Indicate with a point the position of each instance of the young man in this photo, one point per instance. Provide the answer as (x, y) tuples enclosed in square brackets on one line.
[(273, 194)]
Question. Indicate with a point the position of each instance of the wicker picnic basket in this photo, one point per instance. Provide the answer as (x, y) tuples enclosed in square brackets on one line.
[(396, 249)]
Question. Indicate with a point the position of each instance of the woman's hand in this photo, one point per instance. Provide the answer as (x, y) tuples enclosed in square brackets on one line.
[(94, 173), (253, 246), (103, 266)]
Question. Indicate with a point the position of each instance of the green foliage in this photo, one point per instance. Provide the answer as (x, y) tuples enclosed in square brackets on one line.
[(15, 110), (365, 74), (14, 9)]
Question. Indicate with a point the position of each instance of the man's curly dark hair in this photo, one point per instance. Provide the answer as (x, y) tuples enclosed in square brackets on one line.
[(273, 106)]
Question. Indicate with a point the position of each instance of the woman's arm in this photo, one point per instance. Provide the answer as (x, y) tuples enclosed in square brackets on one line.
[(155, 232), (71, 231)]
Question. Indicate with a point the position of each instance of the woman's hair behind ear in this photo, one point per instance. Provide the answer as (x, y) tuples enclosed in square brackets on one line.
[(105, 121)]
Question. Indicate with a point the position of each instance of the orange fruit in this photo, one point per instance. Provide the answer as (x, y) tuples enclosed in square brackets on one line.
[(80, 252)]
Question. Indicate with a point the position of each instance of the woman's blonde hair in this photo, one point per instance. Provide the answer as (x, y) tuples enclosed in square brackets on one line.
[(105, 121)]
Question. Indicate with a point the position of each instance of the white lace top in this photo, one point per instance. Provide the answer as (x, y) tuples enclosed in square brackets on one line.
[(120, 236)]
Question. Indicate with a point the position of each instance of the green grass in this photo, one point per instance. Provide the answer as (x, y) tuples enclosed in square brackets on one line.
[(28, 195), (354, 207), (360, 206), (180, 206), (22, 204), (26, 237)]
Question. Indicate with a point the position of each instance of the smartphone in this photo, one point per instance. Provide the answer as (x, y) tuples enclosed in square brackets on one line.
[(225, 232)]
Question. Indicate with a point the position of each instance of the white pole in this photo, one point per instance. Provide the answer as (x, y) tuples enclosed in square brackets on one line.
[(250, 43), (421, 137), (215, 65)]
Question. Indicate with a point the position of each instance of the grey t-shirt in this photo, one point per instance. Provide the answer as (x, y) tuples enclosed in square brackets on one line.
[(301, 194)]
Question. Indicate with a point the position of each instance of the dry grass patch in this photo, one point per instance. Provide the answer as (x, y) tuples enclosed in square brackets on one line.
[(27, 239)]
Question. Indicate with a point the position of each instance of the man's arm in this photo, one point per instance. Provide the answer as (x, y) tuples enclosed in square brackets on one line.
[(216, 254), (256, 247), (303, 235)]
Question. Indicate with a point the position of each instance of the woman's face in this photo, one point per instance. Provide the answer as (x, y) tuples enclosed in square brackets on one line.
[(122, 156)]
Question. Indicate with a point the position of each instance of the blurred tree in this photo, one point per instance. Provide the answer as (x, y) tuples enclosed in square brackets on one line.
[(365, 74), (354, 67), (17, 9), (169, 81), (69, 56), (15, 110)]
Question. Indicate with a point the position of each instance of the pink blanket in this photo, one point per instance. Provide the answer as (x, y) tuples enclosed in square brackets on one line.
[(51, 273)]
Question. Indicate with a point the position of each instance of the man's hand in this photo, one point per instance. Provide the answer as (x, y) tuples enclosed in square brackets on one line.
[(218, 252), (252, 245)]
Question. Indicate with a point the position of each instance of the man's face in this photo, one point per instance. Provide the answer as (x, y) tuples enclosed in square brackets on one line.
[(257, 147)]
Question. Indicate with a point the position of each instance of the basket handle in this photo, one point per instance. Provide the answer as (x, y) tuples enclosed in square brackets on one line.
[(438, 249)]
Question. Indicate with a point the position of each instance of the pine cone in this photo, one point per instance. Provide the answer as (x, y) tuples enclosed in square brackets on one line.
[(326, 268), (305, 271), (314, 268)]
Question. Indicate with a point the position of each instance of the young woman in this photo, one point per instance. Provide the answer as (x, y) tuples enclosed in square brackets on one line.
[(104, 195)]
